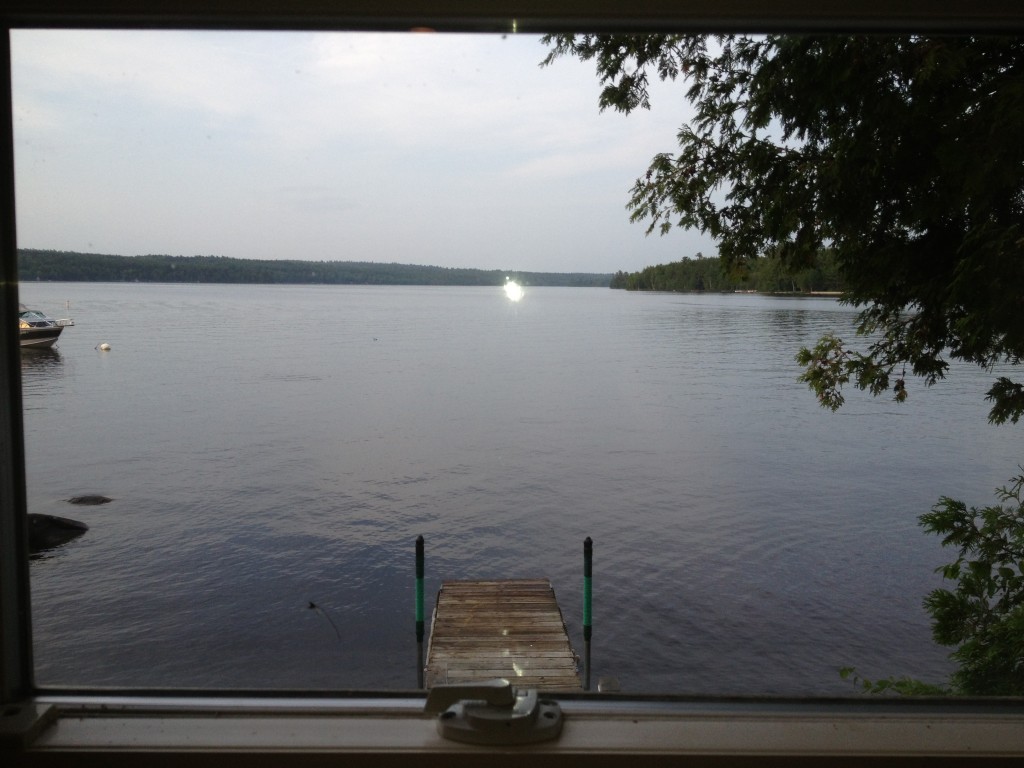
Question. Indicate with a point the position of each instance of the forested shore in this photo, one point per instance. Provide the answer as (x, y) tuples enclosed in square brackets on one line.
[(696, 274), (69, 266), (765, 275)]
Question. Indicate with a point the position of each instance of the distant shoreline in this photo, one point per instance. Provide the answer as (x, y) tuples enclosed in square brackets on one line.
[(70, 266)]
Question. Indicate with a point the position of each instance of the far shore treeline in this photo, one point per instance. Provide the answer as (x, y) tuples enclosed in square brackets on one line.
[(68, 266), (690, 274), (765, 275)]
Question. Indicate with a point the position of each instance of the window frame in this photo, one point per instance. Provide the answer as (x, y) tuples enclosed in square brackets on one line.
[(132, 727)]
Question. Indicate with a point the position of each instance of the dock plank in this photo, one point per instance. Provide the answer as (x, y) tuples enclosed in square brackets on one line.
[(511, 628)]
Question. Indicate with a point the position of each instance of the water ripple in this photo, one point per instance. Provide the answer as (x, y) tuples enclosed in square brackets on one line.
[(745, 540)]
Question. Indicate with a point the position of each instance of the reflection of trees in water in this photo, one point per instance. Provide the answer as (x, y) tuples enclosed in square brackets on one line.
[(750, 317), (796, 322), (787, 321), (38, 365)]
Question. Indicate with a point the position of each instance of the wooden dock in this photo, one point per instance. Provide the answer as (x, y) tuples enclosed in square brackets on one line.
[(506, 628)]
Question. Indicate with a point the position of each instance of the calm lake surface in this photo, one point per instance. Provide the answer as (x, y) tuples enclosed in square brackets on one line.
[(268, 446)]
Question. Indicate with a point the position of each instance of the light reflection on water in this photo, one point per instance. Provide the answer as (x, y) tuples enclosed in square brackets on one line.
[(271, 446)]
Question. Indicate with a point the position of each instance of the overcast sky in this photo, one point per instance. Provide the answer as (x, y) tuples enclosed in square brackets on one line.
[(413, 148)]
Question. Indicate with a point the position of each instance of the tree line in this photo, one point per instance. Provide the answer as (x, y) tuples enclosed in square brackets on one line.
[(70, 266), (710, 274)]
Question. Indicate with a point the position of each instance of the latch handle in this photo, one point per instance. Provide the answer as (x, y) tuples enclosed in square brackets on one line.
[(494, 712), (497, 692)]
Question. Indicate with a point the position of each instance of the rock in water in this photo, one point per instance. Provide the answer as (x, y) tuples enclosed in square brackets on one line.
[(89, 500), (49, 531)]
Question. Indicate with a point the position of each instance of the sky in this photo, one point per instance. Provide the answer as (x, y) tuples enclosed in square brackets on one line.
[(448, 150)]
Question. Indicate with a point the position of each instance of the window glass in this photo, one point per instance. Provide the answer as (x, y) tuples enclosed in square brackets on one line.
[(255, 447)]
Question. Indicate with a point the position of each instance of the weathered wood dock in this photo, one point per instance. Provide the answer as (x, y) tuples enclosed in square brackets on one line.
[(510, 628)]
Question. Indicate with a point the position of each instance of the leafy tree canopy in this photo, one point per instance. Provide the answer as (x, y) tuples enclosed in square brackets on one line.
[(901, 155), (983, 616)]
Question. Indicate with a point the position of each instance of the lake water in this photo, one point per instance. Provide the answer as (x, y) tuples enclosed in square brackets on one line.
[(268, 446)]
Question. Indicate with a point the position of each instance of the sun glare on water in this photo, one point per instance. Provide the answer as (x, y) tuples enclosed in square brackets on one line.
[(513, 290)]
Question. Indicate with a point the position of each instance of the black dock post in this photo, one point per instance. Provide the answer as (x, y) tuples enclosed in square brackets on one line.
[(588, 567), (419, 611)]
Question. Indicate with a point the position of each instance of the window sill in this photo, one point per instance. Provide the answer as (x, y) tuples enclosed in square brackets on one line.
[(129, 731)]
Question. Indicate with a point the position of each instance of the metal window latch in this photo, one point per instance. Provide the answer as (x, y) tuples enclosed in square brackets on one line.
[(493, 712), (21, 723)]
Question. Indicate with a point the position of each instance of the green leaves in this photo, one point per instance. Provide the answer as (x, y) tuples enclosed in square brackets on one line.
[(983, 615), (828, 368), (623, 60), (830, 365), (901, 154), (902, 686), (1008, 401)]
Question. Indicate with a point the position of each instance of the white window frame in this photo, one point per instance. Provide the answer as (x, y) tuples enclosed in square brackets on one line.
[(40, 727)]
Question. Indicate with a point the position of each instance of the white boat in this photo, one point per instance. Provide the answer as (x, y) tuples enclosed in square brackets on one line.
[(38, 330)]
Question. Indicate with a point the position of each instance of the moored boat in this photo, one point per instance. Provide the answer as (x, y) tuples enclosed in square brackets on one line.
[(37, 329)]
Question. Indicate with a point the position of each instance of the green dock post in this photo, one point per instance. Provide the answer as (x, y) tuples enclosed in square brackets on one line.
[(588, 568), (419, 611)]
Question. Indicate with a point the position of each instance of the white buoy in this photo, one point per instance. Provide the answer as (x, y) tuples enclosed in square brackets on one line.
[(104, 347)]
